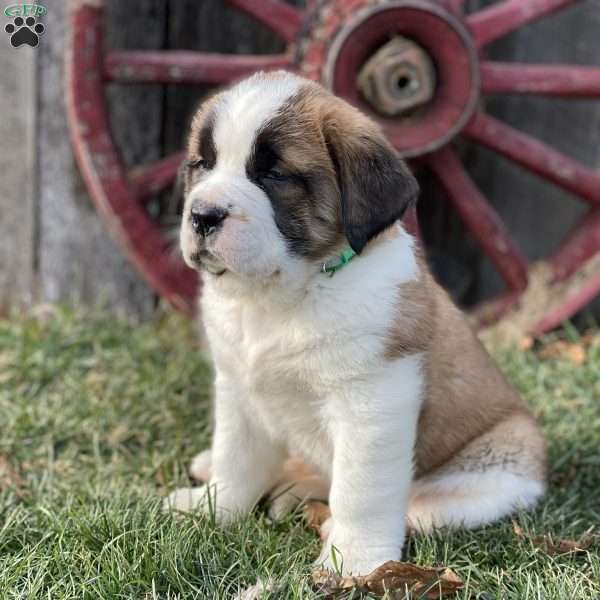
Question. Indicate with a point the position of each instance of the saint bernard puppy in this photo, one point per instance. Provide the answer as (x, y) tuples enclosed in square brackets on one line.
[(342, 370)]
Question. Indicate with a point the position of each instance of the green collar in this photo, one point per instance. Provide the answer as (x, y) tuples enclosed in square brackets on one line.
[(336, 264)]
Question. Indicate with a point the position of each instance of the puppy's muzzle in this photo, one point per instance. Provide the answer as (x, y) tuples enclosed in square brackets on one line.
[(207, 221)]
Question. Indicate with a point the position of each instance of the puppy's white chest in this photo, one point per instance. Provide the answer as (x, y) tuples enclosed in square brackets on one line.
[(275, 356), (287, 364), (299, 351), (298, 366), (279, 370)]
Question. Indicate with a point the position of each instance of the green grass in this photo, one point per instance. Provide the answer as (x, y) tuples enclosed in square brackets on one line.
[(99, 418)]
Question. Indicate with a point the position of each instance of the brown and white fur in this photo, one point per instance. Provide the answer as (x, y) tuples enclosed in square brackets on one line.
[(371, 378)]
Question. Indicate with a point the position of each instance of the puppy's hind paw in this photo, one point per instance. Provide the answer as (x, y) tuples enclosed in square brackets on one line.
[(299, 483), (325, 529)]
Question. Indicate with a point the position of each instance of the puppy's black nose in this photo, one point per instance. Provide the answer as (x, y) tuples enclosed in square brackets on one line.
[(206, 221)]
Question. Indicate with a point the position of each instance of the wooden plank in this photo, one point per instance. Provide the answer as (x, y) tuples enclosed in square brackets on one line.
[(17, 165), (207, 26), (78, 262)]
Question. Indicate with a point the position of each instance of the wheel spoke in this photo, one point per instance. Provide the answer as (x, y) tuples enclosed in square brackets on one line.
[(547, 80), (584, 294), (102, 168), (501, 18), (282, 18), (481, 220), (184, 67), (456, 5), (411, 223), (576, 269), (147, 180), (535, 156), (581, 244)]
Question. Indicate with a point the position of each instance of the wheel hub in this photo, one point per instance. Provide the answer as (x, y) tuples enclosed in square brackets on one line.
[(410, 64), (398, 78)]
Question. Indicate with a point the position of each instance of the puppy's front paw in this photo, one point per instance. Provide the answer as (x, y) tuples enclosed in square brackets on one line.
[(352, 554), (218, 500), (186, 499)]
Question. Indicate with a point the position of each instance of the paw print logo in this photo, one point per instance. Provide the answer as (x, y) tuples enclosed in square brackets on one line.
[(24, 31)]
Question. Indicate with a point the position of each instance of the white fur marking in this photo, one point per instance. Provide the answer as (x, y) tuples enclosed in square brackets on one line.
[(243, 110), (469, 499)]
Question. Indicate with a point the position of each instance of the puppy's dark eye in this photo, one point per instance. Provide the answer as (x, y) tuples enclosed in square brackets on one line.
[(198, 163), (273, 175)]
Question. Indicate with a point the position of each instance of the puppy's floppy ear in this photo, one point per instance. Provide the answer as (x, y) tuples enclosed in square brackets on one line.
[(375, 184)]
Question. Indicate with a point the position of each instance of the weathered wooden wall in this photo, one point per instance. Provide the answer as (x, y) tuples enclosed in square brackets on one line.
[(17, 165), (76, 259), (53, 247)]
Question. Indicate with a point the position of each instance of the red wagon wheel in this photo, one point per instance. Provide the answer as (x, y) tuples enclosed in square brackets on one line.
[(416, 66)]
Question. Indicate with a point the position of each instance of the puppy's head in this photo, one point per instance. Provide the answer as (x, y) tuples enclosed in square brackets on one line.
[(280, 170)]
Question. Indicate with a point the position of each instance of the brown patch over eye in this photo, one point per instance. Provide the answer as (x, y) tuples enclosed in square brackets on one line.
[(290, 163)]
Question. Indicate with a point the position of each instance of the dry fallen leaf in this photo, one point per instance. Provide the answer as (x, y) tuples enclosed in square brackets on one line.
[(392, 575), (517, 529), (564, 477), (526, 343), (561, 546), (565, 351), (315, 514), (590, 339), (10, 478)]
